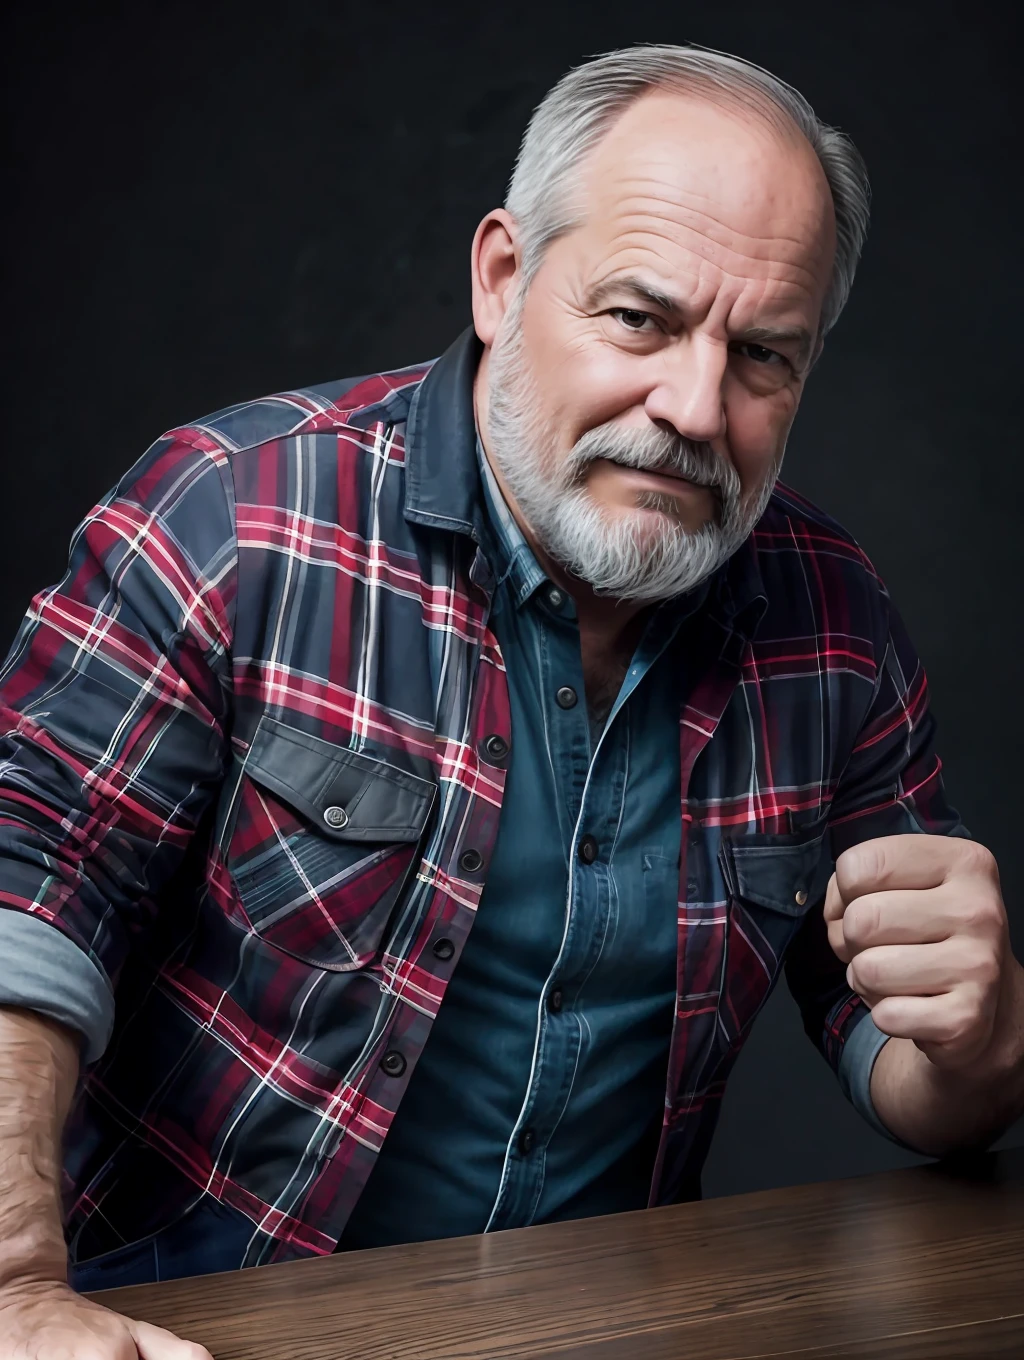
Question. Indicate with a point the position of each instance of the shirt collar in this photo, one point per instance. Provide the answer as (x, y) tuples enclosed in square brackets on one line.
[(514, 560), (442, 476)]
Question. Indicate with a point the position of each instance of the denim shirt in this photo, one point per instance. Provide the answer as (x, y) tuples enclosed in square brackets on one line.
[(539, 1095)]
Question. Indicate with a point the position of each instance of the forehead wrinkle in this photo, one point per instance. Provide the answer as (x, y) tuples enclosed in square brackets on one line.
[(673, 173), (653, 201), (719, 254)]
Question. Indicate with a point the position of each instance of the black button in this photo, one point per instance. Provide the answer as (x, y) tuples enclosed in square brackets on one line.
[(587, 849), (470, 861), (393, 1064), (566, 697), (443, 949), (527, 1138), (555, 1000), (495, 747)]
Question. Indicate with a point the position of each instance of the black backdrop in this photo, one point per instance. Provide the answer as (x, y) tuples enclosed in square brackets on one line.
[(206, 202)]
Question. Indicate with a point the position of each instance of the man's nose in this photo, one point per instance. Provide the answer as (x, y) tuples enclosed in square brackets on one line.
[(688, 394)]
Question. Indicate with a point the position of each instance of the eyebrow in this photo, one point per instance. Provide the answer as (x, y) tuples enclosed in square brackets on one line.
[(651, 294)]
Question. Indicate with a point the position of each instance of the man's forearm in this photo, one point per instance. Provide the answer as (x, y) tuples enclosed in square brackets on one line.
[(939, 1111), (38, 1071)]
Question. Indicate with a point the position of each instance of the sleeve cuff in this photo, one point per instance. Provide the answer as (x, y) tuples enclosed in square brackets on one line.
[(860, 1050), (42, 970)]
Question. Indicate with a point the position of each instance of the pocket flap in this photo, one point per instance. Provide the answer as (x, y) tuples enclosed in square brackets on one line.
[(350, 796), (783, 873)]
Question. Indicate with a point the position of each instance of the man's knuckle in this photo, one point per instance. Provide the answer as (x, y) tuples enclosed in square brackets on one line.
[(861, 921), (972, 916), (862, 863), (991, 975), (864, 973), (977, 859), (963, 1021), (983, 967), (878, 857), (982, 914)]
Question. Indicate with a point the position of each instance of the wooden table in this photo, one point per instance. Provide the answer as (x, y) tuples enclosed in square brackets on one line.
[(925, 1263)]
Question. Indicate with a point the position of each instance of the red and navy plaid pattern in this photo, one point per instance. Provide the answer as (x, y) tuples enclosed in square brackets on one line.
[(287, 595)]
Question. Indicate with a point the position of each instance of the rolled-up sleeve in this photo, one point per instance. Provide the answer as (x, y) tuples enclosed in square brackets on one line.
[(42, 970), (114, 704), (860, 1049), (892, 785)]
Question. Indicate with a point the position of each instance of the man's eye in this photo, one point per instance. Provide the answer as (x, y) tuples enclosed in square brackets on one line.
[(633, 320), (760, 354)]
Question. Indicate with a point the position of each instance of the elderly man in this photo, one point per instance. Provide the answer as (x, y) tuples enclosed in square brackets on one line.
[(414, 788)]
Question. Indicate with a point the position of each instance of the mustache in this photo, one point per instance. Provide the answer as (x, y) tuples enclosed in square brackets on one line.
[(655, 450)]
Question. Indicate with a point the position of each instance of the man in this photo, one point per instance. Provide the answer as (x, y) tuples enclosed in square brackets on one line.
[(414, 788)]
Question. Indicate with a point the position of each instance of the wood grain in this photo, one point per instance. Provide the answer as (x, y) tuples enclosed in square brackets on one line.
[(927, 1262)]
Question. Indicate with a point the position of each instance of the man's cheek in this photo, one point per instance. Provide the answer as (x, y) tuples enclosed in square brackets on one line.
[(757, 438)]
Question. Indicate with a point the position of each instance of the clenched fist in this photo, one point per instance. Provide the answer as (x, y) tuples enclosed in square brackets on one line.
[(921, 923)]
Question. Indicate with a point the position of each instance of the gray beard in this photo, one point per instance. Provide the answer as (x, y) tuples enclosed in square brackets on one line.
[(643, 555)]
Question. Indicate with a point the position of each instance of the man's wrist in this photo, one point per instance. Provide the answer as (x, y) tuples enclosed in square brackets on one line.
[(940, 1107), (31, 1260)]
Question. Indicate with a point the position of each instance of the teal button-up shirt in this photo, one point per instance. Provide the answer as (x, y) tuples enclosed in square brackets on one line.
[(552, 1042)]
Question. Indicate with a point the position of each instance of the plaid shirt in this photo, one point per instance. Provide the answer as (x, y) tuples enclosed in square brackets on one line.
[(252, 753)]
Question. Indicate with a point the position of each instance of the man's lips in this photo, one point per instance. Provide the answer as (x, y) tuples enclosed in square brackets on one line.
[(667, 473)]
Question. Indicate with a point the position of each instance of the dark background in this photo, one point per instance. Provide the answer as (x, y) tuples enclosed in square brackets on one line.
[(207, 202)]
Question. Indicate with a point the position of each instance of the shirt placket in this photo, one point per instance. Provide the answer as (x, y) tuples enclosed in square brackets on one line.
[(594, 785)]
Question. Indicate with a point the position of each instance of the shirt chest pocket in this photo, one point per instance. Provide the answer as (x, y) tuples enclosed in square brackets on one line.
[(772, 883), (324, 842)]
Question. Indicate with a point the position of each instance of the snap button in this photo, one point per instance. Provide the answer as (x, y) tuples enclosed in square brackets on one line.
[(336, 817), (470, 861), (556, 598), (801, 898), (587, 849), (392, 1064), (443, 950), (526, 1140), (495, 747), (566, 697)]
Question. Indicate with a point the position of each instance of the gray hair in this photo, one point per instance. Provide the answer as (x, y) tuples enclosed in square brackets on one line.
[(575, 114)]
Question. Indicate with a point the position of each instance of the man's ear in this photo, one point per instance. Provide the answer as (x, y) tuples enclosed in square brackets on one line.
[(494, 267)]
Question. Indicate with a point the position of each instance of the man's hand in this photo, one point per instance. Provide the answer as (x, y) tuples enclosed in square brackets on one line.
[(921, 923), (46, 1320)]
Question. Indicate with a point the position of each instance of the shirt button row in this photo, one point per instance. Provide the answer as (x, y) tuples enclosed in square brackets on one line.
[(587, 849)]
